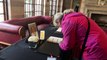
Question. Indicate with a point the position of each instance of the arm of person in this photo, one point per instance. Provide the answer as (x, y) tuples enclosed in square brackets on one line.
[(69, 33), (68, 42)]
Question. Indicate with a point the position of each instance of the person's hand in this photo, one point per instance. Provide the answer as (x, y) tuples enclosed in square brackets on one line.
[(60, 42)]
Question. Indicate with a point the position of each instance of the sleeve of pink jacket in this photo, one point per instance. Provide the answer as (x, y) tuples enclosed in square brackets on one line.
[(69, 33)]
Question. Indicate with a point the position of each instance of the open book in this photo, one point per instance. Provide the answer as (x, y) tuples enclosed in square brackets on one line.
[(54, 39)]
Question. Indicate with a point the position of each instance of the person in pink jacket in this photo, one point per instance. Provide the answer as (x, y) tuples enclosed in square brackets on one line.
[(74, 26)]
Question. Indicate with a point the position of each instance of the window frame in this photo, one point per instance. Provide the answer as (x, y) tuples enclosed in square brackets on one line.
[(54, 6), (5, 10)]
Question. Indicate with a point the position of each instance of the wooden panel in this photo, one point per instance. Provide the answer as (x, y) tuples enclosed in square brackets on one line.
[(91, 2), (102, 2), (96, 2), (17, 8)]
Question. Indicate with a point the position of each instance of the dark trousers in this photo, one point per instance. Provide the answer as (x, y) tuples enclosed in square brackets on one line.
[(65, 55)]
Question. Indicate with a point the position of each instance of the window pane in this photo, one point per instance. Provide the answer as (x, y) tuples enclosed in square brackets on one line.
[(27, 7), (30, 14), (27, 14), (38, 6), (1, 18), (50, 13), (37, 13), (1, 8), (1, 0), (54, 3), (50, 2), (38, 1), (30, 6), (28, 1), (54, 7)]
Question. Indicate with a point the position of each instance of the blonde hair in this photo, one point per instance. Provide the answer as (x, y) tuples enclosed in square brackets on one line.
[(57, 16), (68, 11)]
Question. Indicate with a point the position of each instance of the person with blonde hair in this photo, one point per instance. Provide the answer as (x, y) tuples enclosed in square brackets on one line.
[(59, 16), (77, 29)]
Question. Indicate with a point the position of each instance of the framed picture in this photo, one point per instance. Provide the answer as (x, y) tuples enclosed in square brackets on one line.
[(33, 29)]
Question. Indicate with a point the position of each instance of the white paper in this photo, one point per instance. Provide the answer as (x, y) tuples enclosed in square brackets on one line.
[(54, 39), (51, 58), (59, 29)]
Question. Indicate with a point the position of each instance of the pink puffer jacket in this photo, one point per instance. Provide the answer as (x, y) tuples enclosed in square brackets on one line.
[(74, 27)]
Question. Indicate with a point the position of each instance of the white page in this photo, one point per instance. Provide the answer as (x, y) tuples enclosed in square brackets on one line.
[(54, 39), (59, 29)]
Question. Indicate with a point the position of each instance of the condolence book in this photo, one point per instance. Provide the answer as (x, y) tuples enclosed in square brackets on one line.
[(49, 49)]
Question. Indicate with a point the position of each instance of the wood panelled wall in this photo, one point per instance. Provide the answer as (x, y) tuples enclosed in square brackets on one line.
[(16, 8), (93, 6)]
